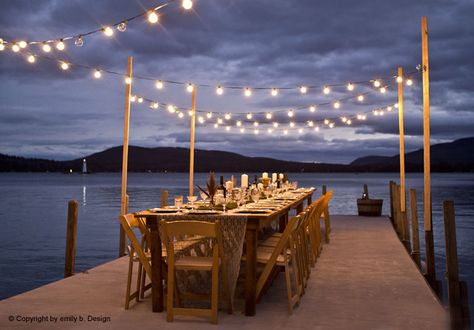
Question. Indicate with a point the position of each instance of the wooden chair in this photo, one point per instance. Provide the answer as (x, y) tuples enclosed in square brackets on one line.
[(326, 218), (136, 254), (172, 233)]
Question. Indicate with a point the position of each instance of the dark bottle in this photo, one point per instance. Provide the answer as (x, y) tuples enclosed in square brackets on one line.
[(221, 187)]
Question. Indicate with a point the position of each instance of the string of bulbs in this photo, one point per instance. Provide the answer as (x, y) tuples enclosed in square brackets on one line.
[(107, 30)]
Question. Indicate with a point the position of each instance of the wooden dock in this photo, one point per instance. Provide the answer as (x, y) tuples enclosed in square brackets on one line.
[(364, 280)]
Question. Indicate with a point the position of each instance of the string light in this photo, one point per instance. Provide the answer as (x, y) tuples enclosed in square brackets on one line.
[(303, 89), (171, 109), (227, 116), (395, 105), (249, 116), (152, 17), (140, 100), (274, 92), (292, 124), (248, 92), (155, 105), (201, 119), (312, 108), (122, 26), (190, 88), (108, 31), (219, 90), (133, 98), (383, 90), (343, 119), (300, 130), (331, 125), (316, 129), (376, 112), (326, 121), (46, 48), (242, 130), (190, 112), (64, 66), (256, 131), (79, 42), (128, 80), (216, 125), (381, 113), (349, 122), (275, 124), (270, 131), (31, 59), (285, 132), (326, 90), (180, 115), (22, 44), (360, 98), (159, 84), (291, 113), (60, 45), (187, 4), (238, 123), (2, 46), (97, 74), (16, 48), (269, 115), (336, 105), (255, 123), (310, 123), (377, 83), (219, 120), (389, 108), (227, 128), (399, 79), (209, 115), (409, 82), (350, 87)]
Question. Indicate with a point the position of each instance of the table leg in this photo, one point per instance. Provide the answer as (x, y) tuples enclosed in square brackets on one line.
[(310, 200), (282, 222), (251, 271), (156, 268), (299, 208)]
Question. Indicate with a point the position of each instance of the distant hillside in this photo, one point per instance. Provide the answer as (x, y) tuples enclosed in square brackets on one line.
[(454, 156)]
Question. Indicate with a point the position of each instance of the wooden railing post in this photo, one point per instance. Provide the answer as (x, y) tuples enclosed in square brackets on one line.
[(430, 274), (324, 189), (396, 209), (164, 198), (70, 259), (458, 319), (414, 229), (390, 188)]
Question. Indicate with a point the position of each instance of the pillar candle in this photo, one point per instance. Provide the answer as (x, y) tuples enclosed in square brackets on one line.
[(244, 181), (265, 175), (274, 177), (229, 185), (281, 176)]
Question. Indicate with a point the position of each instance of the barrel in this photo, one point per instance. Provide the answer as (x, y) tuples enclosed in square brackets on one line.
[(370, 207)]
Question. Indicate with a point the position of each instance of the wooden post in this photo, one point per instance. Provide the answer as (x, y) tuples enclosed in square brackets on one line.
[(390, 188), (70, 259), (426, 126), (366, 191), (452, 271), (396, 207), (430, 261), (324, 189), (191, 144), (164, 198), (414, 229), (126, 128)]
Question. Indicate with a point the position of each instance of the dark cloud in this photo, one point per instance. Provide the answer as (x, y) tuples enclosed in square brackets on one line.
[(48, 113)]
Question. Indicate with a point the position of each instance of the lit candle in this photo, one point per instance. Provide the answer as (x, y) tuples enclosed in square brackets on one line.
[(281, 176), (229, 186), (274, 177), (265, 175), (260, 186), (244, 181)]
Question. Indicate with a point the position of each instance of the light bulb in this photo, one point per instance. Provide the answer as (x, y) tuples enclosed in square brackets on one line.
[(312, 108), (128, 80), (331, 125), (383, 90), (377, 83), (300, 131), (227, 116), (187, 4), (46, 48), (270, 131), (256, 131), (238, 123), (409, 82), (292, 124), (336, 105), (274, 92), (303, 89), (348, 122), (155, 105), (350, 86), (133, 98), (360, 98), (219, 90), (389, 108), (2, 46), (22, 44), (248, 92), (291, 113), (97, 74), (326, 121), (190, 88), (216, 125), (255, 124), (219, 120), (180, 115), (399, 79), (122, 26), (16, 48), (285, 132), (376, 112), (275, 124), (108, 31), (381, 113), (310, 123), (64, 66), (326, 90), (344, 119), (190, 113), (79, 42), (242, 130), (140, 100), (209, 115), (269, 115), (395, 105), (171, 108), (159, 84), (201, 119), (316, 129), (249, 116), (227, 128), (60, 45), (152, 17), (31, 59)]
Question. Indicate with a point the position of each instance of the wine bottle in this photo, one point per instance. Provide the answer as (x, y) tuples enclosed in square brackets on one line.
[(221, 188)]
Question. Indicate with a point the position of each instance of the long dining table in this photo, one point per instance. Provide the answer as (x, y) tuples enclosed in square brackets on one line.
[(255, 221)]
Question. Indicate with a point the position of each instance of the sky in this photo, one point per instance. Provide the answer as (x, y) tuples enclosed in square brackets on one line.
[(46, 112)]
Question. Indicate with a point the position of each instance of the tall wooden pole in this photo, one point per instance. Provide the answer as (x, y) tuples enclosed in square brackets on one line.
[(426, 125), (191, 144), (126, 128), (402, 140)]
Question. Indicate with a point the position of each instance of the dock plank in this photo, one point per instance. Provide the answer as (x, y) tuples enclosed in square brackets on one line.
[(364, 280)]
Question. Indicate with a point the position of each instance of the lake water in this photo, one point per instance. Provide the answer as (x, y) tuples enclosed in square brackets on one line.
[(33, 213)]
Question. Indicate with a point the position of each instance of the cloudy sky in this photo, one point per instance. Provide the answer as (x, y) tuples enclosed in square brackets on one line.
[(45, 112)]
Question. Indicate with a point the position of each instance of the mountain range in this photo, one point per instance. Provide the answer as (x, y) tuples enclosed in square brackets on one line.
[(446, 157)]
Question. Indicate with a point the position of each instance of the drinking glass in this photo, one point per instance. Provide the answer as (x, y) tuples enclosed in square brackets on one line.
[(255, 195), (191, 200), (178, 201), (203, 195)]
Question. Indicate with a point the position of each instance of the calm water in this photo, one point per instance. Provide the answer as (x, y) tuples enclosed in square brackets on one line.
[(33, 212)]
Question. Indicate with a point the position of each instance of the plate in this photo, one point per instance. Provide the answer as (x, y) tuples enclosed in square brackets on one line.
[(254, 211), (162, 210), (203, 212)]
